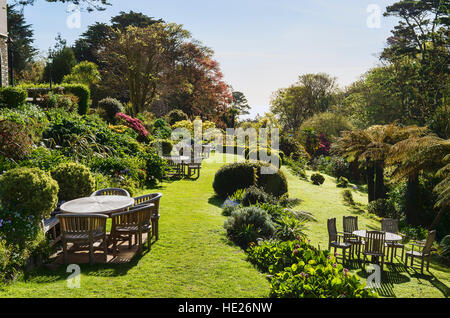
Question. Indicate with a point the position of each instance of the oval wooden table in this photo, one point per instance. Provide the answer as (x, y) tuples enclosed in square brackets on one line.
[(102, 204)]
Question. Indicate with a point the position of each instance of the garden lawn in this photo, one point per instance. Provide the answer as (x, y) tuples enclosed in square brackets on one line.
[(194, 259)]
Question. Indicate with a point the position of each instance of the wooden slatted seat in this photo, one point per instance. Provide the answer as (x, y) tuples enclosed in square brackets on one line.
[(111, 191), (155, 199), (423, 252), (391, 226), (335, 239)]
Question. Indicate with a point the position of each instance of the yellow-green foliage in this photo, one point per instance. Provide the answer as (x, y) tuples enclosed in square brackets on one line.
[(29, 191), (74, 180)]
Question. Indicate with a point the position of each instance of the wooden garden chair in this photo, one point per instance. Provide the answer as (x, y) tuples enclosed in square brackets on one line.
[(335, 239), (350, 225), (83, 229), (151, 198), (391, 226), (375, 246), (135, 221), (424, 251), (111, 191)]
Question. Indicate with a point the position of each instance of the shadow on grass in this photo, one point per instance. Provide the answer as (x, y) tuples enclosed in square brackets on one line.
[(51, 273), (216, 201)]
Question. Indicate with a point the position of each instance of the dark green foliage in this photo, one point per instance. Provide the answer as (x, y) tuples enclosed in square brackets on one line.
[(383, 208), (246, 225), (444, 247), (83, 93), (12, 97), (111, 106), (161, 129), (43, 158), (29, 191), (163, 145), (74, 180), (155, 166), (233, 177), (132, 167), (342, 182), (289, 227), (253, 195), (176, 115), (62, 62), (317, 179)]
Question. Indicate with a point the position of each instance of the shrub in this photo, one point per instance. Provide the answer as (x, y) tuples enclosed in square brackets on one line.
[(75, 181), (326, 280), (176, 115), (29, 191), (161, 129), (133, 123), (246, 225), (111, 106), (297, 166), (348, 197), (337, 167), (274, 256), (342, 182), (43, 158), (233, 177), (13, 97), (66, 102), (288, 228), (383, 208), (317, 179), (165, 146), (253, 195), (155, 166), (14, 142), (132, 167)]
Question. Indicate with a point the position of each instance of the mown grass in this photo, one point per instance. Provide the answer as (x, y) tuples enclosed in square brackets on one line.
[(194, 259)]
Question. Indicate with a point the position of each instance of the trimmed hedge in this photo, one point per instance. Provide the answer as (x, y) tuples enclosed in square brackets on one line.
[(13, 97), (79, 90), (233, 177)]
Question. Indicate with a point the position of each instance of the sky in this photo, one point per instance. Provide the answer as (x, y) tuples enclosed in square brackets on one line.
[(261, 45)]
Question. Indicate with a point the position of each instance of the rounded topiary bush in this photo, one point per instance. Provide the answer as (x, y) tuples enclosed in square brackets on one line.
[(255, 195), (175, 116), (75, 181), (246, 225), (111, 106), (317, 179), (29, 191), (233, 177)]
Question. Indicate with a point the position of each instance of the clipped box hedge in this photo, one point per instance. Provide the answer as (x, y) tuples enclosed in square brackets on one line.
[(233, 177), (12, 97)]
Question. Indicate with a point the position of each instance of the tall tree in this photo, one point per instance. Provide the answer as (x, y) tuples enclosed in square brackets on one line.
[(88, 5), (421, 39), (92, 42), (141, 57), (61, 61), (312, 94), (21, 34)]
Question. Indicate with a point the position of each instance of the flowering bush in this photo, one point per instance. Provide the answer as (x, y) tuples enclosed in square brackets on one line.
[(133, 123), (14, 142), (324, 146)]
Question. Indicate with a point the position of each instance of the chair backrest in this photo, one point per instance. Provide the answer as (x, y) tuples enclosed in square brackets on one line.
[(111, 191), (389, 225), (375, 242), (149, 198), (82, 224), (332, 230), (350, 225), (135, 216), (429, 242)]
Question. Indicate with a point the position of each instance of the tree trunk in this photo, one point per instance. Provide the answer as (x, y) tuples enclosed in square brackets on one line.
[(412, 193), (370, 183), (438, 218), (380, 189)]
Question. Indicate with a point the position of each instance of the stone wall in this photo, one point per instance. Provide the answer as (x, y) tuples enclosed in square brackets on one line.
[(3, 62)]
